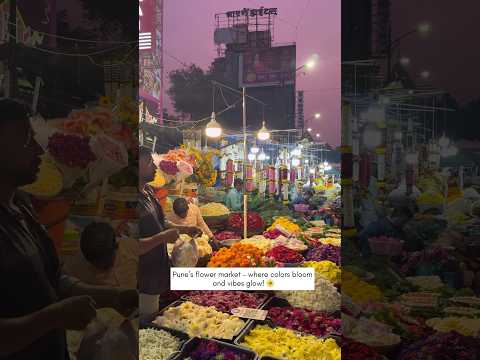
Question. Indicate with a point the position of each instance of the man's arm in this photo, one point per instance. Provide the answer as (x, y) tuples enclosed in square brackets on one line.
[(18, 333), (202, 224), (165, 237)]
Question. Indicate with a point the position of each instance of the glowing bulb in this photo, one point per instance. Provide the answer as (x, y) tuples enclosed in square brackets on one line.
[(309, 129), (263, 133), (405, 61), (312, 171), (318, 115), (213, 129), (262, 156), (254, 150), (295, 162), (318, 135), (251, 157)]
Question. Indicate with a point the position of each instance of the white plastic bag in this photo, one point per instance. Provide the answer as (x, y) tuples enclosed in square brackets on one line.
[(185, 252)]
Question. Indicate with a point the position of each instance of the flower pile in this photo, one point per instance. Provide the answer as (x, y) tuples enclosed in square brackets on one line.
[(358, 290), (321, 252), (286, 344), (71, 150), (430, 198), (326, 269), (200, 321), (168, 167), (156, 344), (254, 222), (352, 350), (462, 325), (239, 255), (443, 346), (214, 209), (272, 233), (226, 235), (286, 224), (292, 243), (325, 297), (260, 242), (283, 254), (335, 241), (225, 301), (306, 321), (212, 350)]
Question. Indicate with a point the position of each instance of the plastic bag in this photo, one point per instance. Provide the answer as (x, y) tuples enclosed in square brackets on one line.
[(185, 252), (103, 343)]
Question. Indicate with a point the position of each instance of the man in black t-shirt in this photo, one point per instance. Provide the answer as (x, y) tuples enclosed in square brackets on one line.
[(37, 302), (154, 233)]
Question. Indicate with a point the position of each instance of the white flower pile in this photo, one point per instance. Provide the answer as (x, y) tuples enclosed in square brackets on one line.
[(157, 344)]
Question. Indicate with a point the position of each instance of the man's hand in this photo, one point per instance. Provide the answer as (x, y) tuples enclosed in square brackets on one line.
[(74, 313), (126, 301), (170, 235), (192, 231)]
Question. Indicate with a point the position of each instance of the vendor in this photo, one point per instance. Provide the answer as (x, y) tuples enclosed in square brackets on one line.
[(39, 302), (186, 214), (233, 200), (104, 261), (391, 226), (154, 233)]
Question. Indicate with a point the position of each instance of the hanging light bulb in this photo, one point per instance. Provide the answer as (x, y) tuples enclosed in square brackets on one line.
[(251, 157), (296, 152), (444, 141), (213, 129), (254, 150), (325, 163), (312, 171), (263, 133), (262, 156), (295, 162), (267, 157)]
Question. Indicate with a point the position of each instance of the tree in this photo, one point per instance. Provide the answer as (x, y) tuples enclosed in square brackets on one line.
[(191, 91)]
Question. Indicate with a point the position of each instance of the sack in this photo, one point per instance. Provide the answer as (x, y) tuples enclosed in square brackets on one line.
[(102, 343), (185, 252)]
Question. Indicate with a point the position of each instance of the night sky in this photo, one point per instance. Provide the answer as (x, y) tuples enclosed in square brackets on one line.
[(313, 24), (450, 52)]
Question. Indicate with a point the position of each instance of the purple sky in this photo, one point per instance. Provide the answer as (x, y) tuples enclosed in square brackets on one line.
[(313, 24), (450, 52)]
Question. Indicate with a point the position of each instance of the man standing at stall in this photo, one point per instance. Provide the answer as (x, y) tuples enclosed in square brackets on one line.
[(234, 198), (38, 302), (155, 232)]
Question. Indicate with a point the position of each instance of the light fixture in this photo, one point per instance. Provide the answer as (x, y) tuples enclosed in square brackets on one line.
[(318, 116), (325, 163), (296, 152), (213, 129), (262, 156), (318, 135), (309, 129), (405, 61), (251, 157), (263, 133), (312, 171), (306, 161), (295, 162), (444, 141), (267, 157), (254, 150), (425, 74), (424, 28)]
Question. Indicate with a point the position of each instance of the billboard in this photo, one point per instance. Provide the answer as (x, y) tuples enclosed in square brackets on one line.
[(146, 25), (267, 66)]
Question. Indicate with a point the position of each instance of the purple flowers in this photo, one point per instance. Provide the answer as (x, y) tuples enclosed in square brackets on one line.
[(322, 252), (212, 350)]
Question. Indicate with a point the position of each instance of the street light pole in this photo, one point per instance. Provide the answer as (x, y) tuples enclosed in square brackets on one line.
[(244, 168)]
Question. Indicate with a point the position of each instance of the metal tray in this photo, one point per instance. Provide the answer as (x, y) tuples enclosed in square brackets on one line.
[(147, 321), (279, 302), (261, 306), (190, 345), (179, 335)]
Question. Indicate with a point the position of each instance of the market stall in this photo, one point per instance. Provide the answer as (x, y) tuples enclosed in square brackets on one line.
[(277, 236)]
